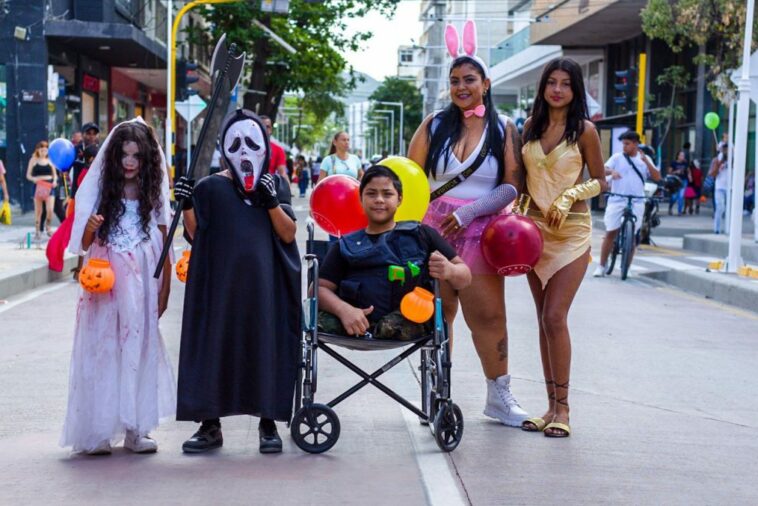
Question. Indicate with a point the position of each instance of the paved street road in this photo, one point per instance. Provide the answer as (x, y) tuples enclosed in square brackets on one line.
[(663, 411)]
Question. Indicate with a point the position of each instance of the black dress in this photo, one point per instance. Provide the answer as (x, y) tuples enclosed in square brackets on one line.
[(241, 322)]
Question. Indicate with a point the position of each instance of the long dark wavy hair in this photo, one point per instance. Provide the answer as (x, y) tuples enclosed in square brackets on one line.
[(112, 179), (448, 129), (577, 112)]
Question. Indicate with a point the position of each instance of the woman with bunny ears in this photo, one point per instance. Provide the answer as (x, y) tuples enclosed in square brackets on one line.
[(472, 157)]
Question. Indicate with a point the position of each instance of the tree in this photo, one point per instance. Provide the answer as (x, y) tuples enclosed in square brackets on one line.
[(315, 30), (677, 78), (717, 27), (395, 89)]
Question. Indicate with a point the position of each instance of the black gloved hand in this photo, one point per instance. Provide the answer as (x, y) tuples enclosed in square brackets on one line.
[(183, 189), (266, 190)]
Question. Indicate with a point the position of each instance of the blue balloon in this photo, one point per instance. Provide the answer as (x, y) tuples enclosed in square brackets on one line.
[(62, 153)]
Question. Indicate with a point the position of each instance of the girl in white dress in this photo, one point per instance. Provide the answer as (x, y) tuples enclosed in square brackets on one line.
[(120, 382)]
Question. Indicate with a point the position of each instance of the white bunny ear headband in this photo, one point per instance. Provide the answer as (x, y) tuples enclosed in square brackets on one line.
[(468, 48)]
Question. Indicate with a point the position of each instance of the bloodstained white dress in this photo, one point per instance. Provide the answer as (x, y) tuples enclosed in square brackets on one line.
[(120, 377)]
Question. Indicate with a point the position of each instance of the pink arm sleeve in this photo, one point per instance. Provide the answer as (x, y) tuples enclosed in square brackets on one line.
[(491, 203)]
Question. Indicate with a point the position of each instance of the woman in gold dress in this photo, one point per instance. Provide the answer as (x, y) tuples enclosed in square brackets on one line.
[(559, 141)]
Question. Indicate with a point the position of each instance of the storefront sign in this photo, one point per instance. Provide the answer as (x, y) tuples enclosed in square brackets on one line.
[(32, 96), (90, 83)]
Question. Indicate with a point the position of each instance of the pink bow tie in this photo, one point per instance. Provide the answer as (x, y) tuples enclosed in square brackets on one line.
[(479, 110)]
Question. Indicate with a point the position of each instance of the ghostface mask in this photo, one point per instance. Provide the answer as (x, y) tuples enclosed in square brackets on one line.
[(245, 147)]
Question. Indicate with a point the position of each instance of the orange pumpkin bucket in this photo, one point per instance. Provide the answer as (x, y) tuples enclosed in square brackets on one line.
[(97, 276), (418, 305), (182, 266)]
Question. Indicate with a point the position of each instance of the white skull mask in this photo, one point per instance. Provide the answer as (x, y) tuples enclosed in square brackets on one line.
[(244, 146)]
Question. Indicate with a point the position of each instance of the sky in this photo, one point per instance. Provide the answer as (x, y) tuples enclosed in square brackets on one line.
[(379, 57)]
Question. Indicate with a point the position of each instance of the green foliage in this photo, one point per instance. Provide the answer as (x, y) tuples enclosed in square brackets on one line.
[(676, 77), (716, 25), (316, 30), (395, 89)]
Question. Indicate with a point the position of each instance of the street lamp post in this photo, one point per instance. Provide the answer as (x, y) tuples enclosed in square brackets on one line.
[(400, 139), (740, 149), (392, 127)]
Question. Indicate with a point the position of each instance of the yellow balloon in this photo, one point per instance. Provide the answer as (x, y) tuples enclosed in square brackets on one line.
[(416, 190)]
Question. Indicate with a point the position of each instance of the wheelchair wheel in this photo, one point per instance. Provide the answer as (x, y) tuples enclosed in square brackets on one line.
[(315, 428), (448, 426)]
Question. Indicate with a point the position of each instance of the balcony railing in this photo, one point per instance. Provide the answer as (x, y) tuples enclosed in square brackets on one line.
[(509, 46)]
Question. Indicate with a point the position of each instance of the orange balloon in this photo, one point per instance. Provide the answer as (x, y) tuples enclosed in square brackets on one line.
[(97, 276), (418, 305), (182, 266)]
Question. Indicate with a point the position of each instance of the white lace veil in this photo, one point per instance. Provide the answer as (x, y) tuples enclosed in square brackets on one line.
[(88, 195)]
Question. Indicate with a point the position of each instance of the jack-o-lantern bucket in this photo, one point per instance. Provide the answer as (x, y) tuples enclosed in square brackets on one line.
[(418, 305), (97, 276), (182, 266)]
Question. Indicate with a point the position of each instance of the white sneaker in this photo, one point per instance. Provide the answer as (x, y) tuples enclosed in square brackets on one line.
[(501, 404), (599, 272), (139, 444), (103, 448)]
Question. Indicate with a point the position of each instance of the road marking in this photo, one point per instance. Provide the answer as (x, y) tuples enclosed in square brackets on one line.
[(705, 260), (670, 264), (440, 484), (661, 250), (34, 294)]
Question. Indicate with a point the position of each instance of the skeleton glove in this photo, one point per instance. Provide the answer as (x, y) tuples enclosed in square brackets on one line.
[(267, 191), (184, 189)]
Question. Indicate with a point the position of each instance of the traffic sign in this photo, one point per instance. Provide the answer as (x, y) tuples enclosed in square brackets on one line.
[(190, 108)]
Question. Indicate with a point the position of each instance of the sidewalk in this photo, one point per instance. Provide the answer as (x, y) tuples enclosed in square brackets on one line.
[(23, 264), (682, 249)]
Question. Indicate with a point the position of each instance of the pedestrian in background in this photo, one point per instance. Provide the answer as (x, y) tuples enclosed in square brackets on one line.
[(679, 168), (277, 164), (42, 173), (120, 381), (3, 184), (749, 201), (340, 160), (694, 188), (303, 174), (316, 171), (720, 173)]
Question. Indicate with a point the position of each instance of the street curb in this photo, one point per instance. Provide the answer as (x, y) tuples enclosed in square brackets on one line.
[(33, 278), (725, 288), (718, 246)]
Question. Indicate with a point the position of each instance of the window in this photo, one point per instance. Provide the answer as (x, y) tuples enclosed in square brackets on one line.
[(406, 56)]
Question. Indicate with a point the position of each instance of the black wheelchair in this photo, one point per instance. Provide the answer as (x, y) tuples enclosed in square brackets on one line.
[(315, 427)]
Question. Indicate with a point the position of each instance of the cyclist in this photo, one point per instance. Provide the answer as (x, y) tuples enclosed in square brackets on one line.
[(628, 171)]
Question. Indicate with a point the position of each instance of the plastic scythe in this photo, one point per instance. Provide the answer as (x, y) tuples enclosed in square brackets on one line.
[(226, 68)]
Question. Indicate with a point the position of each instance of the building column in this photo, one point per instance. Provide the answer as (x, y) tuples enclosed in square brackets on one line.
[(698, 150), (26, 116)]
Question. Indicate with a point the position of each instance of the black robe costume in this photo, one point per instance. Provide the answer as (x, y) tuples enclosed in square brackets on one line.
[(242, 315)]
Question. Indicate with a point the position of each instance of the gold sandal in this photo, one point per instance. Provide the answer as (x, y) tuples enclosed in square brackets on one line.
[(561, 430), (537, 424)]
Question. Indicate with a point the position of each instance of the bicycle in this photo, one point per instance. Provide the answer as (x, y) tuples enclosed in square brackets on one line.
[(625, 239)]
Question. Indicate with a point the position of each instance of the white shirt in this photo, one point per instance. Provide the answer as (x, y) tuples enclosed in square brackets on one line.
[(723, 178), (629, 183)]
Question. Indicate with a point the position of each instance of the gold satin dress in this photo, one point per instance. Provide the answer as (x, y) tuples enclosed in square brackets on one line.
[(547, 176)]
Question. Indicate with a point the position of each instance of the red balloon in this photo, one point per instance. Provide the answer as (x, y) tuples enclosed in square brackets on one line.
[(512, 244), (336, 205)]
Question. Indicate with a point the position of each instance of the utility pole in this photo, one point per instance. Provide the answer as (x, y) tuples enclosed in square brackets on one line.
[(734, 260)]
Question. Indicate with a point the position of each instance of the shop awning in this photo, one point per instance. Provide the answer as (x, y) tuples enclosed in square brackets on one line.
[(117, 44)]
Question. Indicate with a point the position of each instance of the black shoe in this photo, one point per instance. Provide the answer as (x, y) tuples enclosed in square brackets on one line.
[(209, 437), (270, 442)]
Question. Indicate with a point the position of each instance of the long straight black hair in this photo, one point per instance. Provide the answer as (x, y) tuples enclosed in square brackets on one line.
[(577, 112), (448, 129)]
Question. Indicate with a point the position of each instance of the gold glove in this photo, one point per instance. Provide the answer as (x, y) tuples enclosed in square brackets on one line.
[(522, 204), (558, 212)]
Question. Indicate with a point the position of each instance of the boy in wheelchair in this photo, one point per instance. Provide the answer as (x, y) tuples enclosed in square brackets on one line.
[(365, 274)]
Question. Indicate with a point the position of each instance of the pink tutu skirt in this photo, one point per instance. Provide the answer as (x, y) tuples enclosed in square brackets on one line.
[(467, 240)]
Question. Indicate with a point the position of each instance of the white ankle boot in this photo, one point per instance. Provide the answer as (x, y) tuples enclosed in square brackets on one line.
[(103, 448), (139, 444), (501, 405)]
